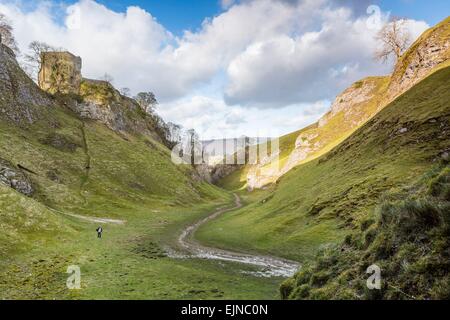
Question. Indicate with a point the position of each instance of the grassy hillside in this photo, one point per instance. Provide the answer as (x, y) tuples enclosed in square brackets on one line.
[(78, 166), (351, 109), (361, 101), (320, 202), (408, 239), (371, 189), (237, 180)]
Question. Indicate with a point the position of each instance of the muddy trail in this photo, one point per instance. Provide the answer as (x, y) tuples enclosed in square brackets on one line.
[(268, 266)]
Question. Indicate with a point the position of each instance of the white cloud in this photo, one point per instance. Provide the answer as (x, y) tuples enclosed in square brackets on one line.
[(139, 52), (267, 54), (309, 67), (212, 118), (227, 3)]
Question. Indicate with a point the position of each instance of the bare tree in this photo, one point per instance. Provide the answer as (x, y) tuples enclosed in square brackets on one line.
[(125, 92), (34, 57), (108, 78), (194, 147), (395, 40), (6, 34), (147, 101), (174, 132)]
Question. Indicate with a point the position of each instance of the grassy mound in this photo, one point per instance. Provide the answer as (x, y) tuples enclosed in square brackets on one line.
[(408, 240)]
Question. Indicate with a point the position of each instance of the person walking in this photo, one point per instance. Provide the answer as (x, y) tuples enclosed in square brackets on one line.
[(99, 232)]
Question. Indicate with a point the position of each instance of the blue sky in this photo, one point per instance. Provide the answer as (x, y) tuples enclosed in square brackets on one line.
[(252, 67), (432, 11), (180, 15), (175, 15)]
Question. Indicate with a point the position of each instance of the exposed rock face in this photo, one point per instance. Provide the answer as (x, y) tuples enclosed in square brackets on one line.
[(429, 51), (203, 172), (21, 101), (15, 178), (103, 103), (351, 109), (60, 142), (264, 172), (98, 100), (362, 100), (304, 146), (350, 102), (60, 73)]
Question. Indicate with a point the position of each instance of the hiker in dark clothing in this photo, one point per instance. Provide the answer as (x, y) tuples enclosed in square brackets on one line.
[(99, 232)]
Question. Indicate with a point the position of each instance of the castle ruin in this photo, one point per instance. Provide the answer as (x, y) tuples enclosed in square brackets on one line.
[(60, 73)]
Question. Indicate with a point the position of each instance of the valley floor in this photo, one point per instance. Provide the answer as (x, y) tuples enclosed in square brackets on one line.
[(129, 262)]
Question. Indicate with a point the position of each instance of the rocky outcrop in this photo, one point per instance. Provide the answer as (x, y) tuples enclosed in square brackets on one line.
[(222, 170), (15, 178), (60, 73), (101, 102), (357, 104), (21, 101), (60, 142), (352, 103), (351, 109), (305, 145), (97, 100), (428, 52)]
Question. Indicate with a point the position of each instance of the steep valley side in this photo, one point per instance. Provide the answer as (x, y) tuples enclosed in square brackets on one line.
[(68, 165), (320, 203)]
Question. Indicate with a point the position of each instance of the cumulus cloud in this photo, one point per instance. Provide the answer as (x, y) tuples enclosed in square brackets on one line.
[(308, 67), (130, 45), (268, 55), (138, 51)]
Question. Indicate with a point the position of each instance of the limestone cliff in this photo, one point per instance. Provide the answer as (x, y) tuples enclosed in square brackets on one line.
[(351, 109), (429, 52), (60, 73), (61, 77), (102, 102), (360, 102), (213, 173), (21, 101), (52, 146)]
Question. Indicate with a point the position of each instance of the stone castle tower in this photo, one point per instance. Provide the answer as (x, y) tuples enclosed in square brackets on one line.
[(60, 73)]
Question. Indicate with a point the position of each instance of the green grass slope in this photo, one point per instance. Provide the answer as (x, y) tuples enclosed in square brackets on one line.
[(352, 108), (237, 179), (318, 203), (363, 100), (408, 239), (84, 167)]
